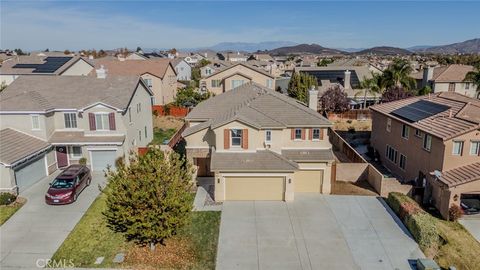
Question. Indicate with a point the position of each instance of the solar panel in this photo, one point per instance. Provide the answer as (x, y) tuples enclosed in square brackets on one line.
[(419, 110), (52, 63)]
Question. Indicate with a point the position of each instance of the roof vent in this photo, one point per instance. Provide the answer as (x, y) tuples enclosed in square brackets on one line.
[(101, 72)]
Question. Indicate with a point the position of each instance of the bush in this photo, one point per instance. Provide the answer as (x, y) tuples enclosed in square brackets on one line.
[(351, 129), (455, 212), (83, 161), (7, 198)]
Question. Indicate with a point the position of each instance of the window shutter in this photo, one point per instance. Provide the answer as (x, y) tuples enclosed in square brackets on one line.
[(293, 134), (91, 120), (303, 133), (321, 134), (245, 138), (310, 133), (226, 138), (111, 120)]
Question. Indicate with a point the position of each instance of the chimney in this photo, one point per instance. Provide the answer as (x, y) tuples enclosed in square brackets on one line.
[(427, 75), (346, 80), (101, 72), (313, 99), (90, 57)]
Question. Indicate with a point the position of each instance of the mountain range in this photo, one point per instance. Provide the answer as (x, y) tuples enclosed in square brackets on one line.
[(469, 46)]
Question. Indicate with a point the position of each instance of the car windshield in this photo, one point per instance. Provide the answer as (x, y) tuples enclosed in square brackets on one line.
[(62, 183)]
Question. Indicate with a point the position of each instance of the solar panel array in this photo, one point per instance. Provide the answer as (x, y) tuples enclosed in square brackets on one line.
[(419, 110), (52, 64), (334, 76)]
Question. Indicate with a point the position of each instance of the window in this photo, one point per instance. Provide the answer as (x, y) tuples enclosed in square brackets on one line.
[(475, 148), (101, 121), (129, 115), (216, 83), (268, 136), (467, 86), (405, 131), (316, 134), (139, 107), (427, 142), (418, 133), (389, 124), (236, 137), (35, 122), (75, 151), (140, 135), (236, 83), (70, 120), (145, 132), (298, 134), (148, 82), (457, 148), (391, 154), (403, 161), (269, 83)]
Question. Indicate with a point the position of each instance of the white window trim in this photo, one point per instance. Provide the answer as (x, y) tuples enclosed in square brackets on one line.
[(424, 140), (266, 137), (71, 155), (108, 121), (231, 138), (407, 133), (313, 131), (389, 124), (65, 122), (37, 116), (477, 149), (295, 134), (418, 133), (462, 144)]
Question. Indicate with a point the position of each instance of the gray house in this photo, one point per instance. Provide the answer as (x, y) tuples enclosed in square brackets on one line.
[(183, 69)]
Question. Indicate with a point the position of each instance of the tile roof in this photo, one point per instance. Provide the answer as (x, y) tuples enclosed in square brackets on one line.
[(156, 67), (306, 155), (243, 64), (255, 105), (46, 93), (461, 175), (262, 160), (452, 73), (7, 66), (62, 137), (462, 116), (15, 146)]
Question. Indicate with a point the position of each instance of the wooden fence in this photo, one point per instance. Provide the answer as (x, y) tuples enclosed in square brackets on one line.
[(360, 114)]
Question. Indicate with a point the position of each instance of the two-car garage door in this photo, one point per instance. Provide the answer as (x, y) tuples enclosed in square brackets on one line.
[(30, 173), (254, 188)]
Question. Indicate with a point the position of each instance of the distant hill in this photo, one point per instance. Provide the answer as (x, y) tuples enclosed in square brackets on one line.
[(385, 50), (305, 49), (418, 48), (249, 47), (469, 46)]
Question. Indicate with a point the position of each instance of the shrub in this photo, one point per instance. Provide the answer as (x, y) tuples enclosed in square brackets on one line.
[(351, 129), (83, 161), (455, 212), (7, 198)]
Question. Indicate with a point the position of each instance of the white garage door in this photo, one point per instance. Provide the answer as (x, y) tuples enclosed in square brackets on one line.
[(254, 188), (101, 159), (30, 173)]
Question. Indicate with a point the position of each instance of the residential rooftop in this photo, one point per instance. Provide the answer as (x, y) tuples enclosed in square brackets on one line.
[(38, 64), (16, 145), (155, 67)]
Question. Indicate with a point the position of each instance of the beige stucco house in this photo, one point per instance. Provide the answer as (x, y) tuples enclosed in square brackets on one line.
[(158, 74), (234, 76), (51, 122), (41, 65), (433, 141), (258, 144)]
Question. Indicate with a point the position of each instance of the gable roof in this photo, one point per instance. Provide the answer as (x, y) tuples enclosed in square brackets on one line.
[(47, 93), (451, 73), (242, 64), (462, 115), (15, 146), (155, 67), (461, 175), (261, 160), (256, 106), (38, 65)]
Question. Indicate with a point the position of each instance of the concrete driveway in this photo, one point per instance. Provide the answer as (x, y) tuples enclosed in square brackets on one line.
[(37, 230), (472, 224), (314, 232)]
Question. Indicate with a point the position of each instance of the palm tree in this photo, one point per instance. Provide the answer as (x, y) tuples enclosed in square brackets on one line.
[(398, 74), (474, 77), (374, 85)]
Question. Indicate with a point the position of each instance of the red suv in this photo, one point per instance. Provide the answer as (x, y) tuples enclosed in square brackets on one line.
[(68, 184)]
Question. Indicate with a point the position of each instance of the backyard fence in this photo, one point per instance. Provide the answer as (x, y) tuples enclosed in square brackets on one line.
[(360, 114), (163, 110)]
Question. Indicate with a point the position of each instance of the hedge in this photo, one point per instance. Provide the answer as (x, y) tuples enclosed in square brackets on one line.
[(420, 224)]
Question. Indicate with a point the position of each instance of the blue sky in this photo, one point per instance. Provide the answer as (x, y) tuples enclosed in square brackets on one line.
[(159, 24)]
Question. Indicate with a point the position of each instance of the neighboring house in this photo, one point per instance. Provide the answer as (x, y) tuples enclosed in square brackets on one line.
[(447, 79), (433, 140), (146, 56), (15, 66), (159, 75), (236, 57), (51, 122), (269, 67), (262, 57), (183, 69), (192, 59), (234, 76), (213, 67), (260, 145)]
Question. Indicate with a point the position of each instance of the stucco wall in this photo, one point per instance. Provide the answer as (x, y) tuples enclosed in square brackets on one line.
[(184, 71), (7, 79), (7, 178), (351, 172), (23, 123), (80, 68), (452, 161), (460, 88)]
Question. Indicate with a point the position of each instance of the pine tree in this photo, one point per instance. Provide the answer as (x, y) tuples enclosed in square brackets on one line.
[(148, 200), (299, 85)]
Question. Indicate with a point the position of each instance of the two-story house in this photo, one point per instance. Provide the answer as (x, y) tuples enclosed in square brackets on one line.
[(182, 68), (51, 122), (433, 140), (233, 76), (260, 145), (159, 74), (42, 65)]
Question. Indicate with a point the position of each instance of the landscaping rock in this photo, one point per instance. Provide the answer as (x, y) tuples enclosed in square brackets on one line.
[(119, 258), (99, 260)]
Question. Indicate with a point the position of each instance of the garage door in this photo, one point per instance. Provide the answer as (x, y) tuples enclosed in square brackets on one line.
[(254, 188), (101, 159), (30, 173), (308, 181)]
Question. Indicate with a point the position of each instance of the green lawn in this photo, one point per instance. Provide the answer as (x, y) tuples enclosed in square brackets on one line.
[(91, 239), (6, 211), (160, 135)]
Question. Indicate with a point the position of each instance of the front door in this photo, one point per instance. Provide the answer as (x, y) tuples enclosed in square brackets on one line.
[(62, 159)]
